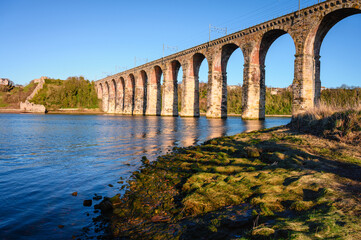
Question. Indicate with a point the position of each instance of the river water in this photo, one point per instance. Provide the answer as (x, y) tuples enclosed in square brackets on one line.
[(45, 158)]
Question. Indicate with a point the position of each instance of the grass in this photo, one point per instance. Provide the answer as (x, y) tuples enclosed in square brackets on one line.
[(270, 184), (332, 122)]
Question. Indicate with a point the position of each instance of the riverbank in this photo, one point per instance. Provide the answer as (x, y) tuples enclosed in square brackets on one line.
[(274, 183)]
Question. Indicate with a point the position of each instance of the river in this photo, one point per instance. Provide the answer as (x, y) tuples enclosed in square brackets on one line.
[(45, 158)]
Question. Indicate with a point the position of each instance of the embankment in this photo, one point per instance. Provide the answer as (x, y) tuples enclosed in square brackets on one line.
[(272, 184)]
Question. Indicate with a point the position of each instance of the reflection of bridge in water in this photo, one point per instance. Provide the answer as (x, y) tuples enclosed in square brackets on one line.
[(137, 91), (150, 135)]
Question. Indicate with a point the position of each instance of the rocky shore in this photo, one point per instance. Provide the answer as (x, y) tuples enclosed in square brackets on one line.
[(276, 183)]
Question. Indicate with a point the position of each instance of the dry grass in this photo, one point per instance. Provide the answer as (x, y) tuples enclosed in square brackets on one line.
[(342, 124)]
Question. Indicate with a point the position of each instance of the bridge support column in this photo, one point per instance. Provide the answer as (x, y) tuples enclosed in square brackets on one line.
[(153, 96), (190, 93), (128, 97), (139, 100), (112, 100), (111, 108), (217, 94), (120, 104), (253, 92), (105, 100), (105, 103), (170, 93), (306, 84)]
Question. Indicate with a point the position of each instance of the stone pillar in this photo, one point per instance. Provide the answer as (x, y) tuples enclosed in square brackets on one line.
[(139, 96), (153, 96), (129, 96), (170, 92), (304, 83), (217, 94), (190, 92), (317, 80), (253, 92), (112, 96), (120, 97), (105, 100)]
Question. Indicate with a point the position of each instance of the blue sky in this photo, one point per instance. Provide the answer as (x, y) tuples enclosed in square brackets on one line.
[(97, 38)]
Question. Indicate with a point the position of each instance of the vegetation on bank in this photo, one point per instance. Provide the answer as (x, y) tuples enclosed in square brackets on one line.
[(280, 103), (10, 97), (75, 92), (269, 184)]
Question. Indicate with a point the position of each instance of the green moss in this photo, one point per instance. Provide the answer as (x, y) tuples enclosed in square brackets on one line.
[(283, 187)]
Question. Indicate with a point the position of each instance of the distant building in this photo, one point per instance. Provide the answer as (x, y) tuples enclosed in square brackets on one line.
[(6, 82)]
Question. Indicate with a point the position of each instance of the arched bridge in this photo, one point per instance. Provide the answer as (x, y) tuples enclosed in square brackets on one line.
[(137, 91)]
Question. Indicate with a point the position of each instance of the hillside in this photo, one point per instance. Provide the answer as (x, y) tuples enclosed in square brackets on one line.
[(75, 92), (10, 98)]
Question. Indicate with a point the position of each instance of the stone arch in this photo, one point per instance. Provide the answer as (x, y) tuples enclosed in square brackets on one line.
[(268, 38), (312, 48), (227, 51), (170, 89), (154, 91), (190, 88), (129, 94), (140, 100), (254, 85), (217, 97)]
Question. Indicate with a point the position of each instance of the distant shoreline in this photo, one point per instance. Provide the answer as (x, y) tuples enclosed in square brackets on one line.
[(98, 112)]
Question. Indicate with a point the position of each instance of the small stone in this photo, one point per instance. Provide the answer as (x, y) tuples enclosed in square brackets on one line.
[(74, 194), (87, 203), (158, 218), (110, 185), (97, 198)]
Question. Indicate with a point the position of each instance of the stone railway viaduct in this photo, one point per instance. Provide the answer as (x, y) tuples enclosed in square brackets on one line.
[(137, 91)]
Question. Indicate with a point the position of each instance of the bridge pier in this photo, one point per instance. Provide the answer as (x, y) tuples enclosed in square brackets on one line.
[(170, 91), (253, 92), (190, 92), (304, 87), (112, 97), (129, 95), (139, 96), (217, 94), (154, 93), (119, 96), (105, 100)]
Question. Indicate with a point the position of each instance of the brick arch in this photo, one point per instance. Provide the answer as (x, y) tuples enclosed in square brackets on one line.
[(175, 66), (267, 39), (170, 89), (225, 53), (311, 83), (318, 33), (156, 75), (197, 60), (190, 85)]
